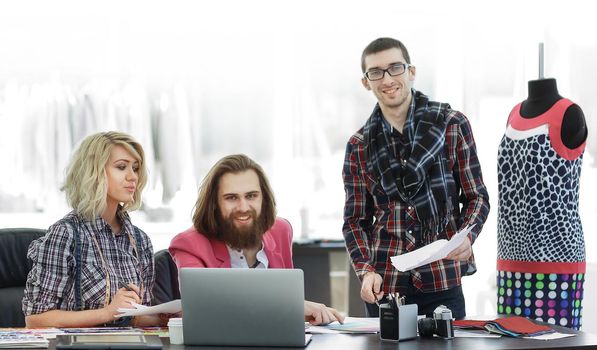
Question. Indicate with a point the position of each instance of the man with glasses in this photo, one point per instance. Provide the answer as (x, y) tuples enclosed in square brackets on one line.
[(411, 177)]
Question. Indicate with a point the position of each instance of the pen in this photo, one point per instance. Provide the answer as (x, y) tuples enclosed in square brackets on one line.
[(375, 297), (124, 285)]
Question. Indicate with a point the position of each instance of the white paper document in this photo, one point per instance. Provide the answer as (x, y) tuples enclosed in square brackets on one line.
[(354, 325), (551, 336), (170, 307), (429, 253)]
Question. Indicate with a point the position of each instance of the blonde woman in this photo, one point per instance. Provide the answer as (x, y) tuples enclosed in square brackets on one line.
[(94, 261)]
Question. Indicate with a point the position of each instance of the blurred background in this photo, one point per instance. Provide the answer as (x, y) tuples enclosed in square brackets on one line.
[(277, 80)]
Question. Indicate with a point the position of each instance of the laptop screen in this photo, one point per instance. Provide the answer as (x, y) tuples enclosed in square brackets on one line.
[(244, 307)]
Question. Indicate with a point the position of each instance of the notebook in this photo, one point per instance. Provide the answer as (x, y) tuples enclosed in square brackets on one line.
[(243, 307)]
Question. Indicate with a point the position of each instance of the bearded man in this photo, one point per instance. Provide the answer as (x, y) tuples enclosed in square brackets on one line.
[(235, 226)]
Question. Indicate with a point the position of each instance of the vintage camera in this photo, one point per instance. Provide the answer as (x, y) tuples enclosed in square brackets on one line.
[(441, 324)]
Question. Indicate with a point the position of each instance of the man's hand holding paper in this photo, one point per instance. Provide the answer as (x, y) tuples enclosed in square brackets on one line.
[(462, 252), (457, 248)]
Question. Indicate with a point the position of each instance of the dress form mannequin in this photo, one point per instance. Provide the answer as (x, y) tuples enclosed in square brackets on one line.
[(541, 261), (543, 93)]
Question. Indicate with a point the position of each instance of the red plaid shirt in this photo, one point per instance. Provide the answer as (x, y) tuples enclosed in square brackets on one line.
[(377, 227)]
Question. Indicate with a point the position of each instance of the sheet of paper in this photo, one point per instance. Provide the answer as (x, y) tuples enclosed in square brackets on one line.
[(466, 333), (170, 307), (350, 325), (429, 253), (551, 336)]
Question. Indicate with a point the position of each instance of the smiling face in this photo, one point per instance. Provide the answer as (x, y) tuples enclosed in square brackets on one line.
[(391, 92), (122, 176), (239, 195), (239, 204)]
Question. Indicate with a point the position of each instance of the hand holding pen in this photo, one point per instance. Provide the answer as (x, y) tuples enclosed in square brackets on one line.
[(124, 297), (130, 287), (371, 290)]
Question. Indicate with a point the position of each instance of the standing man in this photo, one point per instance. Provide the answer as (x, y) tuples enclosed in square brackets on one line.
[(411, 177), (235, 226)]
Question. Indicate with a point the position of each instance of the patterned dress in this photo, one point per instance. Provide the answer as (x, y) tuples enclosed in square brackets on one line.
[(541, 249)]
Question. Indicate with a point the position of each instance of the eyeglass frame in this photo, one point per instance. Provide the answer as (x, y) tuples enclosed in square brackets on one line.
[(387, 70)]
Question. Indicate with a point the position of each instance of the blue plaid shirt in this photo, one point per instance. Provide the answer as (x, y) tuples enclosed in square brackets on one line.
[(50, 283)]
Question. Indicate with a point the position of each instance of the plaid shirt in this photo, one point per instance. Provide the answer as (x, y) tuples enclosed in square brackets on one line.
[(51, 281), (377, 227)]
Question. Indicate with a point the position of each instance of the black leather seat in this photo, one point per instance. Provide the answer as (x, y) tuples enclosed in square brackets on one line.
[(166, 278), (14, 267)]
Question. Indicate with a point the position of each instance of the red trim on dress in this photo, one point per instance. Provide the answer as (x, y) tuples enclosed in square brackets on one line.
[(553, 117), (541, 266)]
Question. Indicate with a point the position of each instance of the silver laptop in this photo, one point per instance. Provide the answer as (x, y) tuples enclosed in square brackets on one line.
[(243, 307)]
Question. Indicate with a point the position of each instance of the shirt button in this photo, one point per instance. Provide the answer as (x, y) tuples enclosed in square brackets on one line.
[(410, 208), (409, 232), (242, 257)]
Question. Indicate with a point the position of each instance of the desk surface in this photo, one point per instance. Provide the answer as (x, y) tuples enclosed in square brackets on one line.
[(371, 342)]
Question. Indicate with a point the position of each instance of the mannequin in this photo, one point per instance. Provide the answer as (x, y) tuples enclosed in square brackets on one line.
[(541, 261), (543, 94)]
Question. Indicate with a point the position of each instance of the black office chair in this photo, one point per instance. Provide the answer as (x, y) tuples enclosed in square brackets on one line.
[(166, 278), (14, 267)]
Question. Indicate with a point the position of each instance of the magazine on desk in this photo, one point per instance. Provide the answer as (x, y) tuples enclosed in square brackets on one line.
[(22, 339)]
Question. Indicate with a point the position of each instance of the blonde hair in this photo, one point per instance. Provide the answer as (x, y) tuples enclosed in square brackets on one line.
[(86, 185), (206, 211)]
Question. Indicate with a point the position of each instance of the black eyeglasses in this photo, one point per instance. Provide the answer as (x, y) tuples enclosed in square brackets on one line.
[(393, 70)]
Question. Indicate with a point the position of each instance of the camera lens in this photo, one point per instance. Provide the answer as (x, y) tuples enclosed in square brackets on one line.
[(426, 327)]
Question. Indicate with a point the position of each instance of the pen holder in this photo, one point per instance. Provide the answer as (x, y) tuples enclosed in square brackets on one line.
[(397, 323)]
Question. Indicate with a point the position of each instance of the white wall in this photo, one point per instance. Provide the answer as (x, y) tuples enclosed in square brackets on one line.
[(278, 80)]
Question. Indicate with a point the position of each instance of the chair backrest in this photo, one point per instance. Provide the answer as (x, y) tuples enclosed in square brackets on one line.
[(14, 267), (166, 278)]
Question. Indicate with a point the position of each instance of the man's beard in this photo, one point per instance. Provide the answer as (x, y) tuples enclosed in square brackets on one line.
[(247, 236)]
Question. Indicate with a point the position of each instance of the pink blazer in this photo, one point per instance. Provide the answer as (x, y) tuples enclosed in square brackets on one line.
[(192, 249)]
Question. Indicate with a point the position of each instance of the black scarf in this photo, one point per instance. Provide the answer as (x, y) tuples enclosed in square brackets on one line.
[(422, 181)]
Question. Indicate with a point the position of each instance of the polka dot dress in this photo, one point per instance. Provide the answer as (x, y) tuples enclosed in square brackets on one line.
[(541, 249), (553, 298)]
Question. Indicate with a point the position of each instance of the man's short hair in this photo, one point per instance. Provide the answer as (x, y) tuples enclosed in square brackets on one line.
[(206, 210), (382, 44)]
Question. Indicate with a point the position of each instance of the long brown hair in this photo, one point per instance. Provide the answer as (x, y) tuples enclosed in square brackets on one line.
[(206, 211)]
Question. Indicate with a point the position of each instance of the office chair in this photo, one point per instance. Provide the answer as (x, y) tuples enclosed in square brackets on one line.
[(14, 267), (165, 287)]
